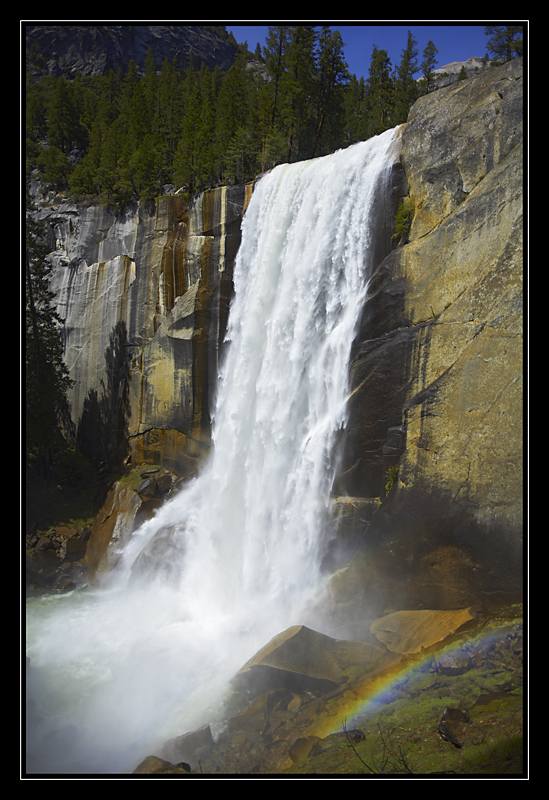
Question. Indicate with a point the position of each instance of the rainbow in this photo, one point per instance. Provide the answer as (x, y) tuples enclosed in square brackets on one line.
[(368, 696), (376, 689)]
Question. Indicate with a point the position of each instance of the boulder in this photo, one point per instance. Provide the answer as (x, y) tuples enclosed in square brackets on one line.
[(453, 725), (147, 489), (156, 484), (55, 559), (300, 657), (152, 765), (111, 526), (301, 748), (407, 632), (41, 567), (161, 558), (190, 747), (76, 544)]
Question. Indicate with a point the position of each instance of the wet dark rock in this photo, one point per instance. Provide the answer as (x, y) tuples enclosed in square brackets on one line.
[(54, 559), (453, 663), (147, 488), (301, 748), (453, 724), (161, 557), (155, 484), (190, 747), (152, 765)]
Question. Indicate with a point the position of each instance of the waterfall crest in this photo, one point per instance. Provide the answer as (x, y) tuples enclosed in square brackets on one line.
[(236, 556)]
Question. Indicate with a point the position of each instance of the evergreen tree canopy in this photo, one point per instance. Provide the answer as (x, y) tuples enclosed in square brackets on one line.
[(427, 65), (380, 90), (505, 41), (406, 86), (123, 137)]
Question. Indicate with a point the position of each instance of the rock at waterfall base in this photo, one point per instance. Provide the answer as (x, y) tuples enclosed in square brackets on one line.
[(152, 765), (283, 730), (408, 632), (300, 657)]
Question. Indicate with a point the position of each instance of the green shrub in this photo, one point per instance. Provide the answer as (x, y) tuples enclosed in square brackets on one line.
[(403, 219), (390, 477)]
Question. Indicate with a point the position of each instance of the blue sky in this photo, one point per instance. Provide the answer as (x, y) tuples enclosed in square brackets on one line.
[(453, 41)]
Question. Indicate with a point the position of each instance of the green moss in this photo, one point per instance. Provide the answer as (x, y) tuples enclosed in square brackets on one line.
[(390, 477), (401, 736), (403, 219), (353, 671)]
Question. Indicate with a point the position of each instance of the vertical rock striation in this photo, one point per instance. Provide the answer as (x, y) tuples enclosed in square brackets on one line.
[(174, 373), (145, 299)]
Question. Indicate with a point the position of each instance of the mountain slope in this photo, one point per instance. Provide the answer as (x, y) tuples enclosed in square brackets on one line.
[(96, 49)]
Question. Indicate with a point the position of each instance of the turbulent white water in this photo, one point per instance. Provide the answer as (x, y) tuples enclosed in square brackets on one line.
[(117, 670)]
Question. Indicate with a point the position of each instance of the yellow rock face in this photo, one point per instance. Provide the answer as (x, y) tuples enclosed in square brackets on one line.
[(408, 632)]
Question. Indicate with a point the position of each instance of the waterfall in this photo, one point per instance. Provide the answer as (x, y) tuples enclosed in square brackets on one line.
[(236, 556)]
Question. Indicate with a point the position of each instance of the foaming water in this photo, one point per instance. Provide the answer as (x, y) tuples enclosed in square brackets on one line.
[(235, 557)]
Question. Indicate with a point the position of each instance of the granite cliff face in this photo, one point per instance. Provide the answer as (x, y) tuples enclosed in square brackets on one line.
[(438, 370), (96, 49), (448, 74), (145, 298)]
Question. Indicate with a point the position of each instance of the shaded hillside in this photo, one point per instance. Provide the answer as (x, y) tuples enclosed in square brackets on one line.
[(96, 49)]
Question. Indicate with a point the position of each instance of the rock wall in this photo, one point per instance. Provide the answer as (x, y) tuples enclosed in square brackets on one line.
[(173, 377), (437, 376), (145, 297), (448, 74)]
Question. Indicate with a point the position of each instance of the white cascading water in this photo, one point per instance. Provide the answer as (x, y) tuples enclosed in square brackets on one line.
[(235, 557)]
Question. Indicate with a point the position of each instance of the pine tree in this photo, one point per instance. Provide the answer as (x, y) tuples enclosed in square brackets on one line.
[(93, 175), (272, 145), (406, 88), (112, 180), (300, 67), (427, 65), (206, 128), (332, 76), (170, 111), (380, 91), (63, 120), (356, 112), (186, 171), (232, 115), (505, 42), (35, 111), (274, 52), (54, 166)]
